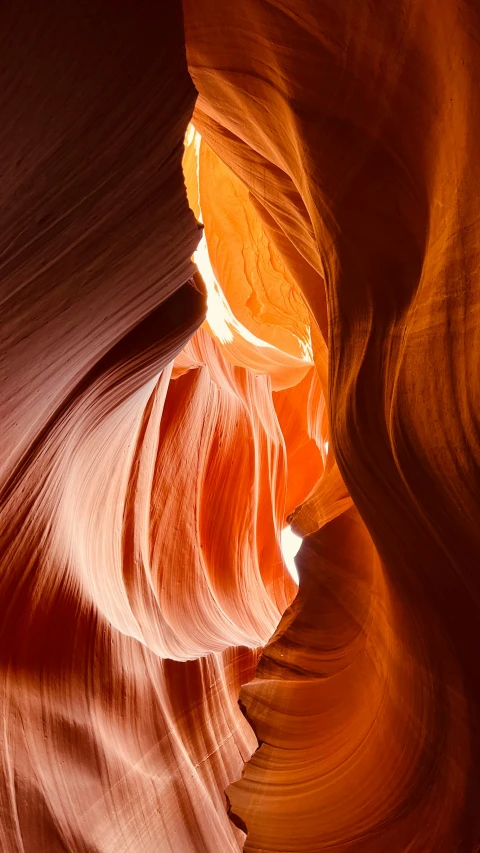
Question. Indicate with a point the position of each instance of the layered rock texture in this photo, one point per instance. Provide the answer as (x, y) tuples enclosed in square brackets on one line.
[(306, 171)]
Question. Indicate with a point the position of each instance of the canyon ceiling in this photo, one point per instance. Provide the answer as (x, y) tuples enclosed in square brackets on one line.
[(309, 172)]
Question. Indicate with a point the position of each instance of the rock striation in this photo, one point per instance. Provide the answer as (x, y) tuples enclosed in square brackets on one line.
[(239, 251)]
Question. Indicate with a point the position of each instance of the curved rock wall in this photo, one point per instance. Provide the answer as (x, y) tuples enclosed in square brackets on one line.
[(149, 465), (354, 128)]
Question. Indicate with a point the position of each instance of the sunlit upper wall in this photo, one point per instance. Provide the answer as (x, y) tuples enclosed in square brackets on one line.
[(250, 292)]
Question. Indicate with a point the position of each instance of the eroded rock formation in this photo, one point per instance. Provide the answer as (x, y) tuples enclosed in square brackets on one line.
[(151, 457)]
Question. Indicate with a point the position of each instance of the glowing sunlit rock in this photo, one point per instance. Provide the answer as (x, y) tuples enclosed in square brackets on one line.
[(152, 457)]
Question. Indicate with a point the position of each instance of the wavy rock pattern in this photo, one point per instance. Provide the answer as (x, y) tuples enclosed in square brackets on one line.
[(151, 457), (352, 126), (121, 728), (144, 478)]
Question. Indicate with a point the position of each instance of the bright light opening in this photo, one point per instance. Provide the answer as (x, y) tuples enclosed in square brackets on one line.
[(290, 546), (218, 313)]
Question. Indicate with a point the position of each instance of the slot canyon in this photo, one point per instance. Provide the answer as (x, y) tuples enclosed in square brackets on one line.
[(240, 318)]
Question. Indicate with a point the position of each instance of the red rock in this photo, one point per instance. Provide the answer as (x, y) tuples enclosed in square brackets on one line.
[(151, 457)]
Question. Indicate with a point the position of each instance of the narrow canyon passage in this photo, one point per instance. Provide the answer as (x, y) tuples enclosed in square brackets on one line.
[(240, 318)]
